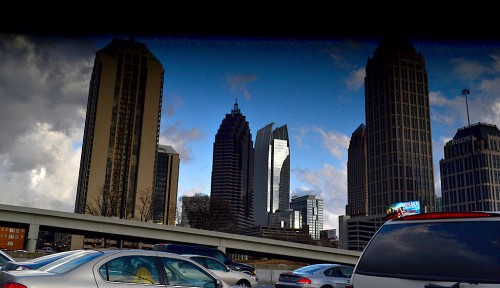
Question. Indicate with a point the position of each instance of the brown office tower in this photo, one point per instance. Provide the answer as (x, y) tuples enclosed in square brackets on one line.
[(398, 126), (166, 186), (121, 134), (231, 198)]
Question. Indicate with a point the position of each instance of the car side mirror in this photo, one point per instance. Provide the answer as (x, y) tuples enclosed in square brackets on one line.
[(219, 283)]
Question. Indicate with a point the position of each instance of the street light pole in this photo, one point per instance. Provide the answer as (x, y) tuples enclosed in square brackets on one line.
[(465, 92)]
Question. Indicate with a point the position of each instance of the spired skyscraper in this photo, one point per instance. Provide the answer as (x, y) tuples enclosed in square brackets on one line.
[(231, 198), (121, 133), (398, 126), (272, 173)]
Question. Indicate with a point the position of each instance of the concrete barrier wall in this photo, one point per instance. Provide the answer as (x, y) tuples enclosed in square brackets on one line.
[(268, 277)]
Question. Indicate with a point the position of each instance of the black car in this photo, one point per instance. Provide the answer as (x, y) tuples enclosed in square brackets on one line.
[(206, 251)]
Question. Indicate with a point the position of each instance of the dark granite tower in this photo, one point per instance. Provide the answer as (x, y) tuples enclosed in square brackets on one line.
[(231, 199)]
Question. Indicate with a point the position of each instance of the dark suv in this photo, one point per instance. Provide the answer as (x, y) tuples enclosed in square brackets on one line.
[(205, 251), (430, 250)]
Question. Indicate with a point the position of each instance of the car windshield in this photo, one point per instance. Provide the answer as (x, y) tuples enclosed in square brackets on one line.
[(472, 249), (67, 263)]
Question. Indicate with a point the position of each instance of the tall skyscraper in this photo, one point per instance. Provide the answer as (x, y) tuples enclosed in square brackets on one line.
[(166, 185), (357, 182), (470, 170), (231, 197), (311, 209), (121, 133), (271, 172), (398, 127)]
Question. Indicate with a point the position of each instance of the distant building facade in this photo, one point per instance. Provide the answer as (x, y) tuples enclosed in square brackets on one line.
[(281, 233), (357, 176), (356, 232), (271, 172), (231, 197), (12, 238), (286, 219), (311, 209), (470, 170), (166, 186), (121, 130)]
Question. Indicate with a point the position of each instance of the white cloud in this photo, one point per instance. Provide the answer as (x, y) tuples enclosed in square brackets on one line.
[(335, 143), (239, 84), (470, 70), (356, 80), (50, 183), (179, 139)]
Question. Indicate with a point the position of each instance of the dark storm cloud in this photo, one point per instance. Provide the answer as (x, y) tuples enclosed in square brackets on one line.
[(42, 81)]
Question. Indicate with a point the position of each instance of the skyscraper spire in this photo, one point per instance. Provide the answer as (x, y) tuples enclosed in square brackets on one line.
[(235, 110)]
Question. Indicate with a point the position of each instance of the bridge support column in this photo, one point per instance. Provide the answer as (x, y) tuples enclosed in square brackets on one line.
[(32, 237)]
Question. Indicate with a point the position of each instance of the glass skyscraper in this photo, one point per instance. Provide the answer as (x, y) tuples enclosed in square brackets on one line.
[(231, 198), (311, 209), (398, 127), (272, 173)]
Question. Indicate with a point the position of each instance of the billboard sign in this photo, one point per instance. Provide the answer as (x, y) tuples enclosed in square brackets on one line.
[(400, 209)]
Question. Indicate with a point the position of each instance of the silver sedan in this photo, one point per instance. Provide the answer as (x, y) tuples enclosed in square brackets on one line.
[(316, 276), (4, 258), (115, 268), (230, 276)]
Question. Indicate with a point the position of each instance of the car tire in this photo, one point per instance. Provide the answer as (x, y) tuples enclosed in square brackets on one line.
[(243, 283)]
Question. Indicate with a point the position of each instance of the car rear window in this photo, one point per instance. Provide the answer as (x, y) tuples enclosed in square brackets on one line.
[(454, 251), (68, 263)]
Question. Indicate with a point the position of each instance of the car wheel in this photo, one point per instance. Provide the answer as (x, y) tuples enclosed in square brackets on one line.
[(243, 283)]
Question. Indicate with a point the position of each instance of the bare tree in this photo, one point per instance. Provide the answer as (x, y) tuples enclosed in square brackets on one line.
[(101, 204), (145, 205)]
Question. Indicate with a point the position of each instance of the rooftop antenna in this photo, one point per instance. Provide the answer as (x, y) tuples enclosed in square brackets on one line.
[(465, 92)]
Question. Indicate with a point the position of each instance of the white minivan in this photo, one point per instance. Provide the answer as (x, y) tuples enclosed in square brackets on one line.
[(433, 250)]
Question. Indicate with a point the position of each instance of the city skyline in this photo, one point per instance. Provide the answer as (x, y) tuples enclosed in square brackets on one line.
[(317, 83)]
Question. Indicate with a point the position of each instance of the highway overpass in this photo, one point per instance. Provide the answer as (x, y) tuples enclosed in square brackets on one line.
[(35, 220)]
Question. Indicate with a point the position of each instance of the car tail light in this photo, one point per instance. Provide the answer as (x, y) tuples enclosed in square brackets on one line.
[(349, 286), (13, 285), (304, 281)]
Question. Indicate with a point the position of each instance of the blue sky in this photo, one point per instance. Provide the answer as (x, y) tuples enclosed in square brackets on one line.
[(314, 86)]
